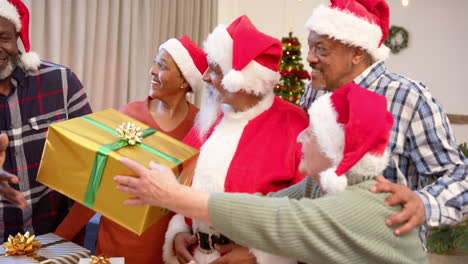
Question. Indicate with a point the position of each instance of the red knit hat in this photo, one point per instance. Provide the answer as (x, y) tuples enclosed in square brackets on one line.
[(189, 57), (360, 23), (352, 126), (248, 58), (18, 14)]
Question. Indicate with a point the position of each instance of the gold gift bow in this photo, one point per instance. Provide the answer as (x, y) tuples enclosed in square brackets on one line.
[(103, 151), (99, 260), (130, 132), (25, 245)]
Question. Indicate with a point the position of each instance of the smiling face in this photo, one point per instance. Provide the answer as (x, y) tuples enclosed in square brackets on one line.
[(313, 160), (166, 78), (8, 48), (331, 61)]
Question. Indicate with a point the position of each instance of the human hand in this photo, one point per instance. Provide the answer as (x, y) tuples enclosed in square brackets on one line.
[(234, 253), (153, 187), (6, 178), (413, 212), (182, 242)]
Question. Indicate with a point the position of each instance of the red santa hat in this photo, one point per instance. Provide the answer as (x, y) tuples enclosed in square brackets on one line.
[(359, 23), (248, 58), (352, 126), (189, 57), (18, 14)]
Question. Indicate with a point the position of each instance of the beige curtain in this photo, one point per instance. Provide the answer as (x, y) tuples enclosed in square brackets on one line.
[(110, 44)]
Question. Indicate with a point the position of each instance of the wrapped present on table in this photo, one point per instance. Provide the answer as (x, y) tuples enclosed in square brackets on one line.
[(48, 248), (101, 260), (81, 157)]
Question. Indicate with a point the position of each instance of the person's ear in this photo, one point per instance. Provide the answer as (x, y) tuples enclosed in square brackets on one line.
[(359, 55), (184, 84)]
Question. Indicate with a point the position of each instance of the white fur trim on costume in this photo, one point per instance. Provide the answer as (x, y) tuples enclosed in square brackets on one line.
[(30, 61), (332, 183), (370, 165), (255, 79), (185, 62), (254, 111), (330, 134), (267, 258), (202, 258), (9, 11), (176, 225), (344, 26)]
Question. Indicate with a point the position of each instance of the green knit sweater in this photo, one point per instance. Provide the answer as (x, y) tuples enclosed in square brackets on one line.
[(348, 227)]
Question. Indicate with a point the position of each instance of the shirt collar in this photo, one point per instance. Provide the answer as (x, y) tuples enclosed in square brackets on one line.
[(18, 77), (369, 75)]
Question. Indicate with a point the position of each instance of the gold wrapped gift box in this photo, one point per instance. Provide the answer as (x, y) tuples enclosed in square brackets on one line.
[(69, 160)]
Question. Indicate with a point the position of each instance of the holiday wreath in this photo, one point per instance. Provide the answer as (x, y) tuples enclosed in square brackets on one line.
[(397, 39)]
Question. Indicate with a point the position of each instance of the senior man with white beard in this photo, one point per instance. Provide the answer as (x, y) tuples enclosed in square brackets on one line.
[(246, 136)]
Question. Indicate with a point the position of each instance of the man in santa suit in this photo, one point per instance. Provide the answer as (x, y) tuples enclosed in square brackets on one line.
[(246, 135)]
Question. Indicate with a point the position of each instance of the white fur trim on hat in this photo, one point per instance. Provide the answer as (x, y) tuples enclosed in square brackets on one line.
[(342, 25), (254, 78), (176, 225), (30, 61), (185, 62), (218, 46), (9, 11), (233, 81), (332, 183), (330, 134), (263, 257)]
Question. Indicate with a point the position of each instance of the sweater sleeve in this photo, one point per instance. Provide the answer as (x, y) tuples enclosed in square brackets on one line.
[(75, 221), (307, 188), (344, 228)]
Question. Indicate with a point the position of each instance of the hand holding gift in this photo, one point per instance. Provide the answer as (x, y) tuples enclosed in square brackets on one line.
[(89, 148)]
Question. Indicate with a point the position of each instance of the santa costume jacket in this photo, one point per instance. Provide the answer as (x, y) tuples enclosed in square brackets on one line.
[(247, 152)]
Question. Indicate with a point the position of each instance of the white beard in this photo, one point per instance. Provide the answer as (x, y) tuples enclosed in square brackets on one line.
[(10, 67), (209, 111)]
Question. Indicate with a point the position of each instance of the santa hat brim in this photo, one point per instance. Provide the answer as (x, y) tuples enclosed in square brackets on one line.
[(9, 11), (253, 78), (349, 29), (185, 62)]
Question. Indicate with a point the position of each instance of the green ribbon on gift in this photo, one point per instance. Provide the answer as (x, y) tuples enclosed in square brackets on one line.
[(101, 158)]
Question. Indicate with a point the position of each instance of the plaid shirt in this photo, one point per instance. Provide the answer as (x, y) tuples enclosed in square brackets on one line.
[(52, 93), (422, 144)]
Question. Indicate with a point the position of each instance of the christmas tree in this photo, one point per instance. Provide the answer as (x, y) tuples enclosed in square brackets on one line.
[(291, 85)]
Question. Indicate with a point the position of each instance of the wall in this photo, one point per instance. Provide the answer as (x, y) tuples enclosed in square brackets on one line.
[(436, 54)]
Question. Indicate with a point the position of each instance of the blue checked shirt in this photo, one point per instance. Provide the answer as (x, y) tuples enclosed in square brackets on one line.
[(51, 94), (422, 144)]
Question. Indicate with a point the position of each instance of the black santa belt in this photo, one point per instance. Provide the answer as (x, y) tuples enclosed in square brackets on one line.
[(206, 242)]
